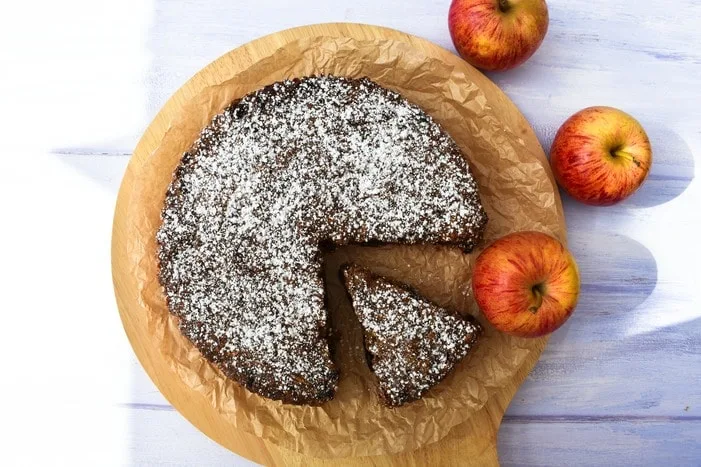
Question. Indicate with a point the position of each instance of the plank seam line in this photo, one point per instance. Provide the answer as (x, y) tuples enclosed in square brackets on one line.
[(507, 418), (600, 418), (78, 152)]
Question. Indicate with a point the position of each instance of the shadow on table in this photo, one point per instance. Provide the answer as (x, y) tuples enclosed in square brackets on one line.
[(672, 169), (628, 336), (617, 274)]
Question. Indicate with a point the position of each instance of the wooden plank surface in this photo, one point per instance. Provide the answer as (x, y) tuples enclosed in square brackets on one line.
[(617, 385)]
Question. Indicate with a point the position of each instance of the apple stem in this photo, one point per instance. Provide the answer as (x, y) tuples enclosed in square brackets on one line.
[(504, 6), (625, 155), (538, 294)]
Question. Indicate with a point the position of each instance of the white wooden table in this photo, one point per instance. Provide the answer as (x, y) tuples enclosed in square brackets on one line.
[(80, 80)]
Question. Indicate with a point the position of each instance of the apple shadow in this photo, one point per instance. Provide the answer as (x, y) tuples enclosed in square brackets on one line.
[(617, 275), (672, 168), (603, 364), (671, 173)]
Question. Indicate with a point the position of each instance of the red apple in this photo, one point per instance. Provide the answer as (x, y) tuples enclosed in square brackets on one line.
[(526, 284), (497, 34), (601, 155)]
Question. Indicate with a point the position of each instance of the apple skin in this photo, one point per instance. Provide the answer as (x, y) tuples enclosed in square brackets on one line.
[(601, 156), (497, 35), (526, 284)]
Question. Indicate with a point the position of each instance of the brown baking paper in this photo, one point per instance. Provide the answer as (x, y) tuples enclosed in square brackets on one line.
[(517, 194)]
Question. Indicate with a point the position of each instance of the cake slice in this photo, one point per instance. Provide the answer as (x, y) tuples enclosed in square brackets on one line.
[(411, 344)]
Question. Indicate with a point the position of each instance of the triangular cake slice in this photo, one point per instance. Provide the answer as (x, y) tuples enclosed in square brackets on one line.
[(411, 343)]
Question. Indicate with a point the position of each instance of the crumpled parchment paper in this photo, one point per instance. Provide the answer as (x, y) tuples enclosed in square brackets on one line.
[(516, 191)]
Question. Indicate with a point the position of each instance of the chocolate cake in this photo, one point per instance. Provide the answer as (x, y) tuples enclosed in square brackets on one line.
[(299, 164), (411, 344)]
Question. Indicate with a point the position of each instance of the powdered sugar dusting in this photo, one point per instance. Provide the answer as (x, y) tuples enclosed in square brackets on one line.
[(298, 163), (412, 343)]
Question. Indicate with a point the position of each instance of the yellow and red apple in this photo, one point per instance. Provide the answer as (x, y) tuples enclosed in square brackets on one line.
[(601, 155), (526, 284), (497, 34)]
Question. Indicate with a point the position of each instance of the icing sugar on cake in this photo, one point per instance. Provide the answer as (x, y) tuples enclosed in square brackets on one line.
[(287, 168), (412, 344)]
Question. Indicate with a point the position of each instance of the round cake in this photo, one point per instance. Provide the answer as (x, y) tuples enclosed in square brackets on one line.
[(282, 172)]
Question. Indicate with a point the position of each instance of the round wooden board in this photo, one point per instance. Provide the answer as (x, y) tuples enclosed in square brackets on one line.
[(473, 442)]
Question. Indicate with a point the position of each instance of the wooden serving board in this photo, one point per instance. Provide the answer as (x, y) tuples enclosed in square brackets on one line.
[(471, 443)]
